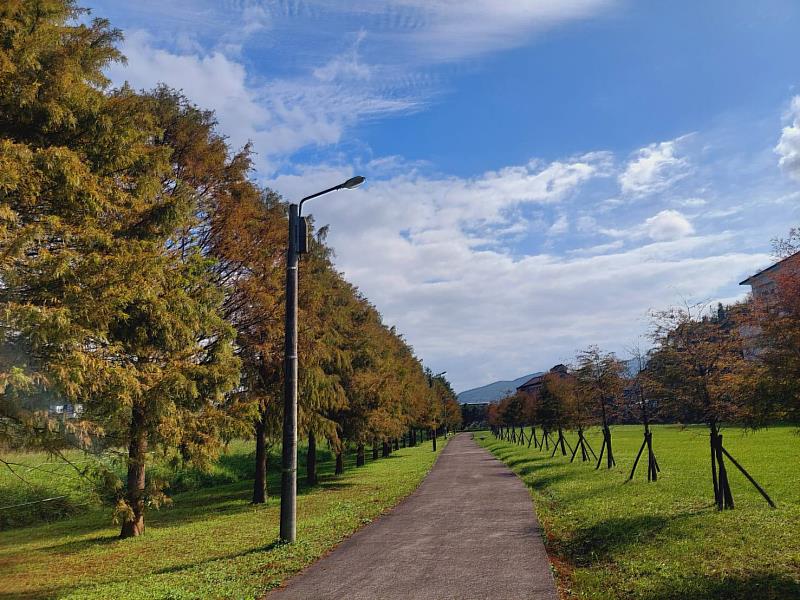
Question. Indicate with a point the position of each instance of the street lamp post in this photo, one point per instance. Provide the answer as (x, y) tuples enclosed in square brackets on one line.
[(430, 383), (296, 247)]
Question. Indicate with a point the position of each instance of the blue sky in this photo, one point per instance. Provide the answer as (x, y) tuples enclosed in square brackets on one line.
[(540, 174)]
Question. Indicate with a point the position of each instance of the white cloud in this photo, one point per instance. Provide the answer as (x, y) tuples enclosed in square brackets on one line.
[(416, 247), (346, 66), (693, 202), (443, 30), (788, 147), (560, 226), (418, 31), (439, 254), (598, 249), (470, 205), (202, 47), (668, 225), (654, 168), (279, 117), (211, 80), (254, 19)]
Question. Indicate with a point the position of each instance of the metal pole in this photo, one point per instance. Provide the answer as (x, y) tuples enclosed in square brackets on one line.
[(288, 531), (289, 458)]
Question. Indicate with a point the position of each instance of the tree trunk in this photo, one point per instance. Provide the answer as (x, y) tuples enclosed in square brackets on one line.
[(433, 437), (722, 489), (713, 437), (360, 460), (384, 449), (610, 456), (396, 444), (133, 525), (606, 448), (339, 462), (374, 449), (652, 464), (311, 459), (260, 482), (606, 438)]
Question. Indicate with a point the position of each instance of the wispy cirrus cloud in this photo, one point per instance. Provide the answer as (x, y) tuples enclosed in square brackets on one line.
[(279, 116), (449, 30), (289, 75), (422, 31)]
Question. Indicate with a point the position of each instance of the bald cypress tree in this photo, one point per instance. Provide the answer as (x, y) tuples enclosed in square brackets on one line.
[(600, 383), (247, 238), (105, 302), (553, 410), (698, 370)]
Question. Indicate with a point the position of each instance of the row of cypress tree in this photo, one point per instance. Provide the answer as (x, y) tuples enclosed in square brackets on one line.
[(141, 277)]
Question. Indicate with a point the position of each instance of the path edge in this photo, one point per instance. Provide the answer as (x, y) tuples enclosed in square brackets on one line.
[(265, 595)]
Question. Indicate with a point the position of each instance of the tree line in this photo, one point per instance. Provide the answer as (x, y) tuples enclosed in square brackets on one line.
[(734, 364), (142, 273)]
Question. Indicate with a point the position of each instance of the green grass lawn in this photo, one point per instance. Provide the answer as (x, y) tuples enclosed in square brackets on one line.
[(34, 476), (210, 543), (666, 540)]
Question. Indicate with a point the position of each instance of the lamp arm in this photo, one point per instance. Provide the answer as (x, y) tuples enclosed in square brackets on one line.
[(312, 196)]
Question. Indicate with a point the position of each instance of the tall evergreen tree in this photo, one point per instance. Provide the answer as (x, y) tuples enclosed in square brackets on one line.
[(101, 306), (247, 237)]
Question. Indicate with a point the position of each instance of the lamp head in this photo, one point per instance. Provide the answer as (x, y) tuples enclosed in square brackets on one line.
[(354, 182)]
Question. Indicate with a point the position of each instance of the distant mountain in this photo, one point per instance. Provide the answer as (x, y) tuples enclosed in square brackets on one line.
[(501, 389), (493, 391)]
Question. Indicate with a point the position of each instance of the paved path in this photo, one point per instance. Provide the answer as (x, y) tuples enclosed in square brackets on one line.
[(468, 533)]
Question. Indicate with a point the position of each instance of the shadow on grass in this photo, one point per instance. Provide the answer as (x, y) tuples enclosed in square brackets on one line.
[(532, 469), (259, 549), (592, 545), (528, 460), (540, 482), (78, 545), (759, 586), (228, 499)]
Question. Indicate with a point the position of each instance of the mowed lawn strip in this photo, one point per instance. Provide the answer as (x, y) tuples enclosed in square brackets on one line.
[(665, 540), (210, 543)]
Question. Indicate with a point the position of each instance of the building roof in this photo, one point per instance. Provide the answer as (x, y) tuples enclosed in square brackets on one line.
[(749, 280), (538, 379)]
